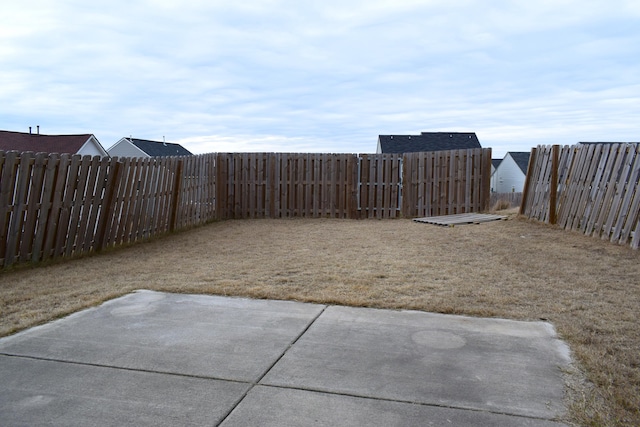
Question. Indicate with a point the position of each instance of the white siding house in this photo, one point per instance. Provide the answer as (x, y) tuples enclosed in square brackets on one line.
[(494, 165), (92, 148), (511, 173)]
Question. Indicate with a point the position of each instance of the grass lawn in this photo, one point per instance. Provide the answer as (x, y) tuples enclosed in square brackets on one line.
[(515, 269)]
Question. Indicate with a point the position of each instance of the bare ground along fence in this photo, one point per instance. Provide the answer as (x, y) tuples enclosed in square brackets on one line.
[(594, 188), (54, 205)]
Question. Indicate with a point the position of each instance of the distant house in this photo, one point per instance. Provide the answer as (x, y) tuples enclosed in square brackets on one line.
[(608, 142), (510, 174), (427, 141), (494, 166), (134, 147), (84, 144)]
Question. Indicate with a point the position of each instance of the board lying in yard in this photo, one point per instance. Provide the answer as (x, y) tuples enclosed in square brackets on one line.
[(465, 218)]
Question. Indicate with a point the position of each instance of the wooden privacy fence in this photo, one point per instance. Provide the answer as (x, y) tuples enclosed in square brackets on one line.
[(54, 205), (62, 205), (256, 185), (593, 188), (275, 185)]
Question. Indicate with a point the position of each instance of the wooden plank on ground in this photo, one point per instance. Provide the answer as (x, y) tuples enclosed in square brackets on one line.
[(460, 219)]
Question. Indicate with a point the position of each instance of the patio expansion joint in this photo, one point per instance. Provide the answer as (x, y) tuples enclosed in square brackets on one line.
[(257, 382), (410, 402), (122, 368)]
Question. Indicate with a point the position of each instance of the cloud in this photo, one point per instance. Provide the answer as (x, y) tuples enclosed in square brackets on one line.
[(322, 76)]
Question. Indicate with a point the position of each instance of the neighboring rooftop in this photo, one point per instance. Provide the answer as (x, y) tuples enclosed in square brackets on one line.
[(427, 141), (583, 142), (160, 149), (22, 141)]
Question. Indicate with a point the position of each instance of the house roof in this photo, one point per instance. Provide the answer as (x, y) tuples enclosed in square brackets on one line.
[(582, 142), (495, 162), (521, 159), (428, 141), (160, 149), (20, 141)]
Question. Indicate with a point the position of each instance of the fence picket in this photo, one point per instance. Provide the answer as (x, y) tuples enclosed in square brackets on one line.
[(633, 190), (610, 185), (620, 184), (19, 205), (51, 165), (630, 177), (88, 203), (33, 206)]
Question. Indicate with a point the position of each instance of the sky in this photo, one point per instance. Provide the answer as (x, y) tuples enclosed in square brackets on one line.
[(322, 76)]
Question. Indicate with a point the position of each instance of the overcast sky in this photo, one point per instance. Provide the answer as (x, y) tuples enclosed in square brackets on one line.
[(322, 76)]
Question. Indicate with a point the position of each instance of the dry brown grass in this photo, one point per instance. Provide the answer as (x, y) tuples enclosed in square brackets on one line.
[(501, 205), (514, 269)]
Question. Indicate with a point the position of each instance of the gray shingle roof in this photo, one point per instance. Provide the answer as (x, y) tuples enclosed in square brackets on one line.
[(495, 162), (521, 159), (428, 141), (160, 149)]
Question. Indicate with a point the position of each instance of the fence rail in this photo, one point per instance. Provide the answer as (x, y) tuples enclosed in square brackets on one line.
[(55, 206), (593, 188)]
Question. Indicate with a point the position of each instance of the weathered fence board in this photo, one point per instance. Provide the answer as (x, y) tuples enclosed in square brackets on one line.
[(598, 190), (434, 183)]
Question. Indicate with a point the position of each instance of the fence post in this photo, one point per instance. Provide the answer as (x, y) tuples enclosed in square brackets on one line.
[(222, 180), (485, 190), (352, 187), (177, 188), (527, 181), (407, 164), (553, 189)]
